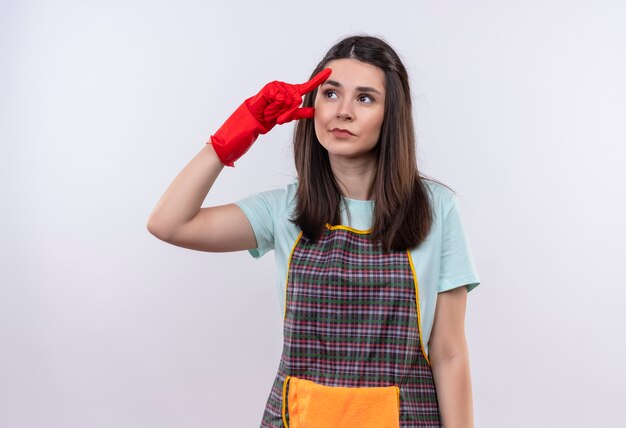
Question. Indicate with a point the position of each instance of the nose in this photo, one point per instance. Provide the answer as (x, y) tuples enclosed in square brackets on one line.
[(344, 116), (345, 111)]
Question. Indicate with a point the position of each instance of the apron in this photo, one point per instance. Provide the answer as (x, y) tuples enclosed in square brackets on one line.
[(352, 354)]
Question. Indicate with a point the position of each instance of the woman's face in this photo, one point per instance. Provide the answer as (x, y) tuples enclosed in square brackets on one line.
[(349, 108)]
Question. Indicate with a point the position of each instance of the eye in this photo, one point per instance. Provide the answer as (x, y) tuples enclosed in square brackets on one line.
[(366, 99), (329, 93)]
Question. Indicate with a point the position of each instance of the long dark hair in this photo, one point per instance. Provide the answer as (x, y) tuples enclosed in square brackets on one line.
[(402, 214)]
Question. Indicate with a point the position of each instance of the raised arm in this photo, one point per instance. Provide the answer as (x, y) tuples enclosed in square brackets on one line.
[(178, 217), (179, 220)]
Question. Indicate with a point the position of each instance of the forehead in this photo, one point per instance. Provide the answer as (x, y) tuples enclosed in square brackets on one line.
[(352, 73)]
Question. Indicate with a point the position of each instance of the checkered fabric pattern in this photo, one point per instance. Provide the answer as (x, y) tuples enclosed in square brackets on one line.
[(351, 320)]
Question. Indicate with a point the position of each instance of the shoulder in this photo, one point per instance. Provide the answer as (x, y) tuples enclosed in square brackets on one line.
[(275, 200), (442, 197), (285, 197)]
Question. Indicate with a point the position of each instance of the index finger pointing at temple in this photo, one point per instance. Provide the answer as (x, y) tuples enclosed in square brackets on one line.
[(317, 80)]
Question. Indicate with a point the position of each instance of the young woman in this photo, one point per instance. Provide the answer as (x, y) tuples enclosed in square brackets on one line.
[(372, 260)]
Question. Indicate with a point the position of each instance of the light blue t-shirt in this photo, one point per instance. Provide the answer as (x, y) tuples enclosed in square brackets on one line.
[(442, 262)]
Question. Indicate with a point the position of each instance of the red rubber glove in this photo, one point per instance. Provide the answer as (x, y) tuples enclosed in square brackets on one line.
[(276, 103)]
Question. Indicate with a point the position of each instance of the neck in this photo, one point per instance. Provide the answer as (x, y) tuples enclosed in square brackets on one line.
[(354, 177)]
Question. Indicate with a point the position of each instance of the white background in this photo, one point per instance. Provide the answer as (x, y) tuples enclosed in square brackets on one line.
[(520, 107)]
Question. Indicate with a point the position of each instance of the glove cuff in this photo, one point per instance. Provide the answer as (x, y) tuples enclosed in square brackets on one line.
[(236, 135)]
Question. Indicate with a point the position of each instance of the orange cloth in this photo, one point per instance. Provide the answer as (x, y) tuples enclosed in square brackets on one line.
[(312, 405)]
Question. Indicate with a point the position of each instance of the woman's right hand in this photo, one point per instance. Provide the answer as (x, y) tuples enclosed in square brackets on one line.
[(277, 103)]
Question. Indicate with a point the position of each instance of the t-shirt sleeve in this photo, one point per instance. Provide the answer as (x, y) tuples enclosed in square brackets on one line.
[(260, 209), (457, 263)]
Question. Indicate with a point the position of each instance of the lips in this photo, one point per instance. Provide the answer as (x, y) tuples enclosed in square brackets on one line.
[(340, 132)]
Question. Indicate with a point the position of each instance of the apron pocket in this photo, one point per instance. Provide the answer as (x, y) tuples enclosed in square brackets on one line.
[(312, 405)]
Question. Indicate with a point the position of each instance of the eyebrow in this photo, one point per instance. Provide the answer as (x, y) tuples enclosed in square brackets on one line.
[(358, 88)]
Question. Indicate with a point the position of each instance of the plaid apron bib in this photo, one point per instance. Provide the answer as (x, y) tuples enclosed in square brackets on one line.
[(351, 325)]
